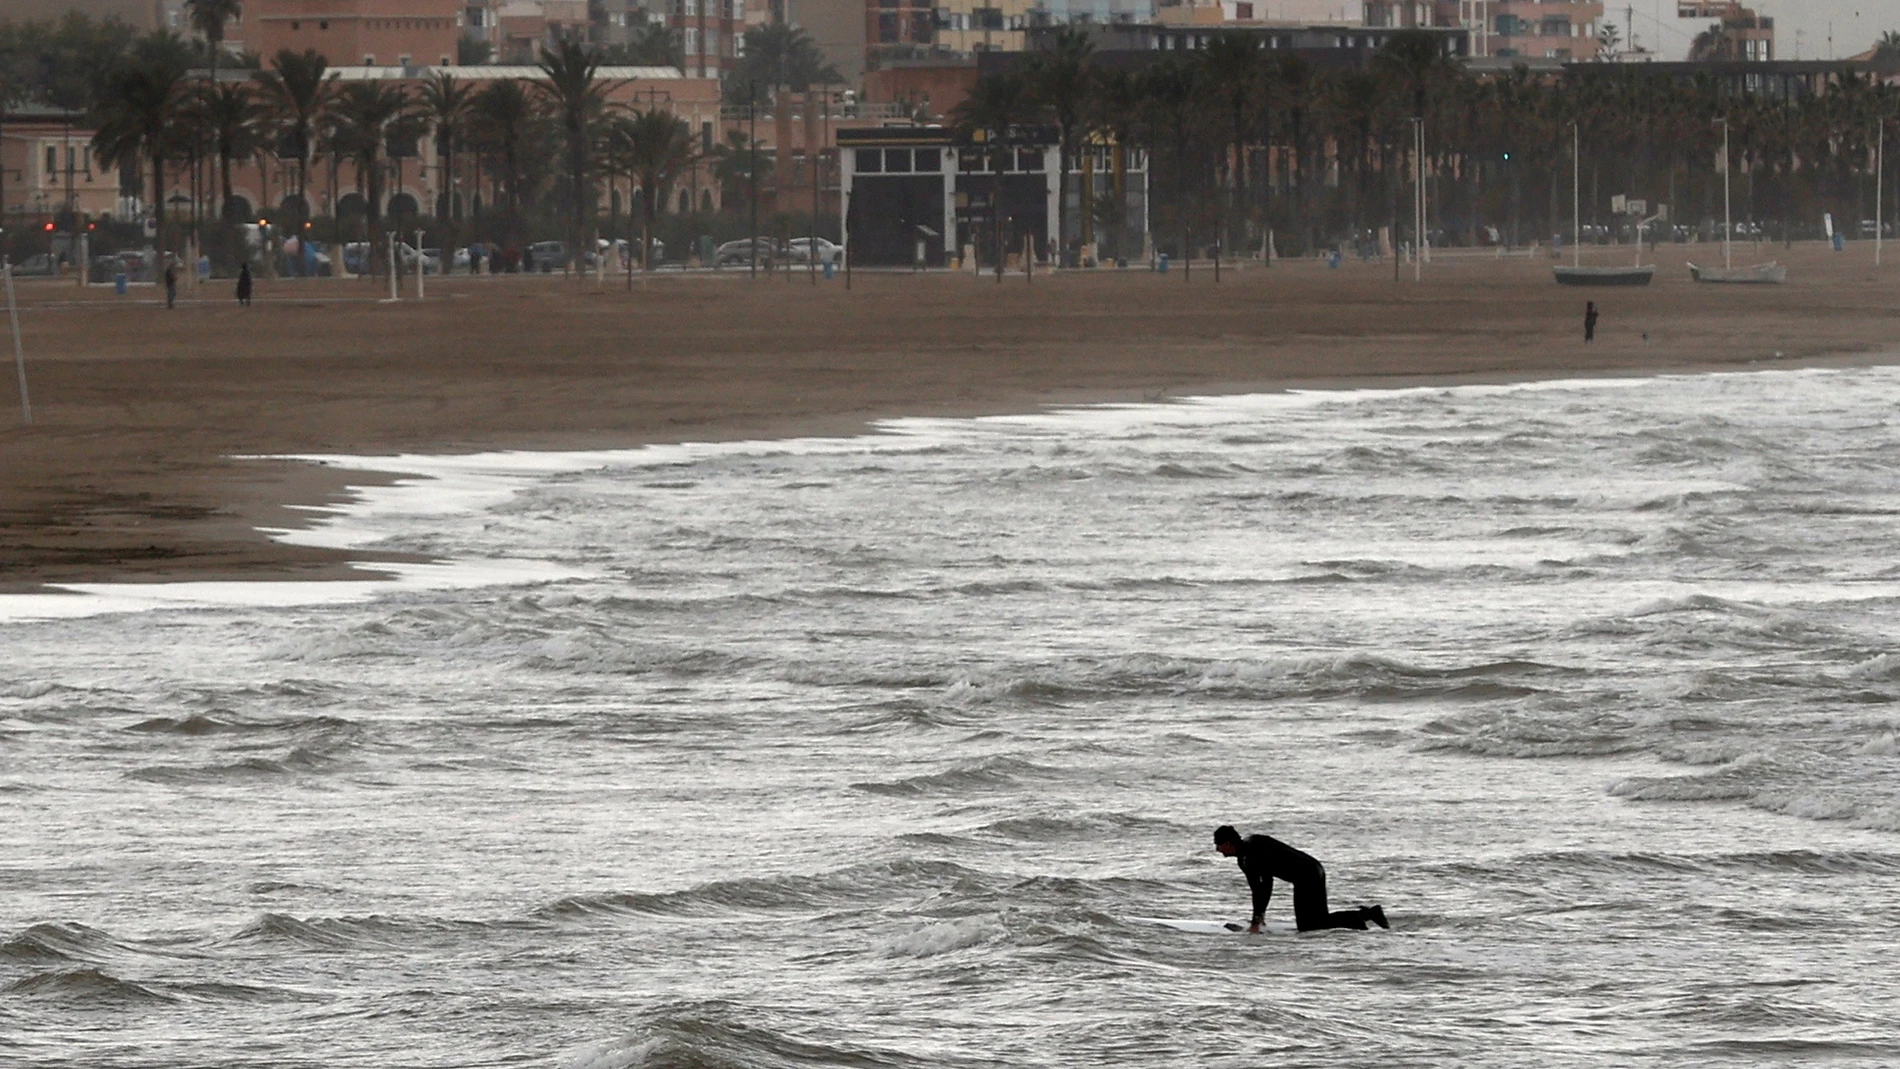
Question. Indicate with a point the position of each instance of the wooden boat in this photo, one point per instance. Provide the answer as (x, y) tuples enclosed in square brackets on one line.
[(1768, 274), (1605, 276)]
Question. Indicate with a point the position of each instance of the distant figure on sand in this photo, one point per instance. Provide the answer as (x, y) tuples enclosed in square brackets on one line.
[(1590, 322), (171, 283), (1264, 859), (244, 285)]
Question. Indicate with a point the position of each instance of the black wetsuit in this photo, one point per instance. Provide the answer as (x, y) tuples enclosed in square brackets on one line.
[(1265, 859)]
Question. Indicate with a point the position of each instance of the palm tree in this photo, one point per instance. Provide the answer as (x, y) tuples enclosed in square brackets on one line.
[(208, 18), (1231, 71), (991, 116), (736, 166), (137, 122), (576, 96), (234, 121), (367, 115), (501, 120), (777, 54), (1059, 79), (657, 147), (296, 90), (445, 104), (1117, 105)]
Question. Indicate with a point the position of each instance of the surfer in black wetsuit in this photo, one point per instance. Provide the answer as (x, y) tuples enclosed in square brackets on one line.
[(1265, 859)]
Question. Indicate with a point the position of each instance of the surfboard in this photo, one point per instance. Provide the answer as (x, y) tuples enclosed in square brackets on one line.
[(1199, 927)]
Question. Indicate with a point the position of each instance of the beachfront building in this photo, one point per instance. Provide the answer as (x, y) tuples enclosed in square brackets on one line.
[(1565, 30), (917, 196), (48, 170)]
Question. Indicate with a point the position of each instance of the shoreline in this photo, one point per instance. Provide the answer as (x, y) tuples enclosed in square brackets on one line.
[(144, 464)]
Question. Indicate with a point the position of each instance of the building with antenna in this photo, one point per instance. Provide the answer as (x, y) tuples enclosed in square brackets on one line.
[(1738, 33)]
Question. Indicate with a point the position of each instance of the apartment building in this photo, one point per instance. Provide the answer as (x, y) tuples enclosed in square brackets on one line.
[(367, 32), (1542, 29)]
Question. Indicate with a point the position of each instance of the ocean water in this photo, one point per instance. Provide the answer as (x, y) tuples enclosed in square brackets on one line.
[(863, 752)]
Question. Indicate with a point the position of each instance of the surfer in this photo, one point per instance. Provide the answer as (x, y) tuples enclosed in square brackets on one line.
[(1265, 859), (1590, 321)]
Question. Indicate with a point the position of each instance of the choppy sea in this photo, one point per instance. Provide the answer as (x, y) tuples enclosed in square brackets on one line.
[(862, 752)]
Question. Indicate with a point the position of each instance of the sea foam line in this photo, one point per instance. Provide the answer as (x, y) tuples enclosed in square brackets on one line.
[(459, 485)]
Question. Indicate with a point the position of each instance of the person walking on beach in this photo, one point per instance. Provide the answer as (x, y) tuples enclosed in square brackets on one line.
[(1264, 859), (1589, 322), (171, 283), (244, 285)]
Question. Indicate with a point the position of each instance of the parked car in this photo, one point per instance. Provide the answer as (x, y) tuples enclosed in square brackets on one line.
[(356, 257), (38, 265), (801, 250), (740, 252), (546, 256)]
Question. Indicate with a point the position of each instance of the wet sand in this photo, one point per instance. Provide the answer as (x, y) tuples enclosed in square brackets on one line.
[(131, 470)]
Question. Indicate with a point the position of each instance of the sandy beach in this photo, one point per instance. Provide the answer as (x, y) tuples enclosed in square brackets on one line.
[(131, 471)]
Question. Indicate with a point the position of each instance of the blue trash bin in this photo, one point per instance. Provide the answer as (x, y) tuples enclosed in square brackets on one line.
[(1161, 263), (1840, 241), (119, 283), (831, 269)]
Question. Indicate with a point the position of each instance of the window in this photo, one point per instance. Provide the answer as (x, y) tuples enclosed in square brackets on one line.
[(987, 18), (1243, 12), (928, 159), (738, 45), (712, 41), (868, 161), (1029, 159), (52, 160), (691, 7), (404, 61), (443, 61), (295, 25), (897, 159), (692, 41), (369, 61), (323, 24)]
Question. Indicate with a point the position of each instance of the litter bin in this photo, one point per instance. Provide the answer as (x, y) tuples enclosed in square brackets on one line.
[(831, 269), (118, 283), (1161, 263), (1840, 241)]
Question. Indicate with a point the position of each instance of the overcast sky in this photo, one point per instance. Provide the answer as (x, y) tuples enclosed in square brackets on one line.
[(1801, 26)]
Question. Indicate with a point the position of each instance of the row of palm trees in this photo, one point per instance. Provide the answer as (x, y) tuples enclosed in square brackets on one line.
[(1244, 141), (557, 132)]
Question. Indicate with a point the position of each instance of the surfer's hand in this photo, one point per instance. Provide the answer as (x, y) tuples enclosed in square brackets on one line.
[(1254, 928)]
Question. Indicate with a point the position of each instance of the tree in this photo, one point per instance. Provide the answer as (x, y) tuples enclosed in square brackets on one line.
[(1059, 79), (1231, 72), (136, 120), (652, 45), (208, 18), (658, 148), (367, 115), (234, 123), (991, 116), (445, 103), (778, 55), (1116, 105), (296, 90), (501, 122), (736, 166), (576, 97)]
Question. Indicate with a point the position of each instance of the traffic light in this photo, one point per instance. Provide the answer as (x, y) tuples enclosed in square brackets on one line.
[(49, 228)]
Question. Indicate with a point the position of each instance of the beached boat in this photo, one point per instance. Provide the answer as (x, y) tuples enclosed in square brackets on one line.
[(1605, 276), (1577, 274), (1768, 274)]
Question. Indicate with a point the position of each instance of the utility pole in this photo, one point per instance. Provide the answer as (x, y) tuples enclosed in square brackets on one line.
[(1880, 184)]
